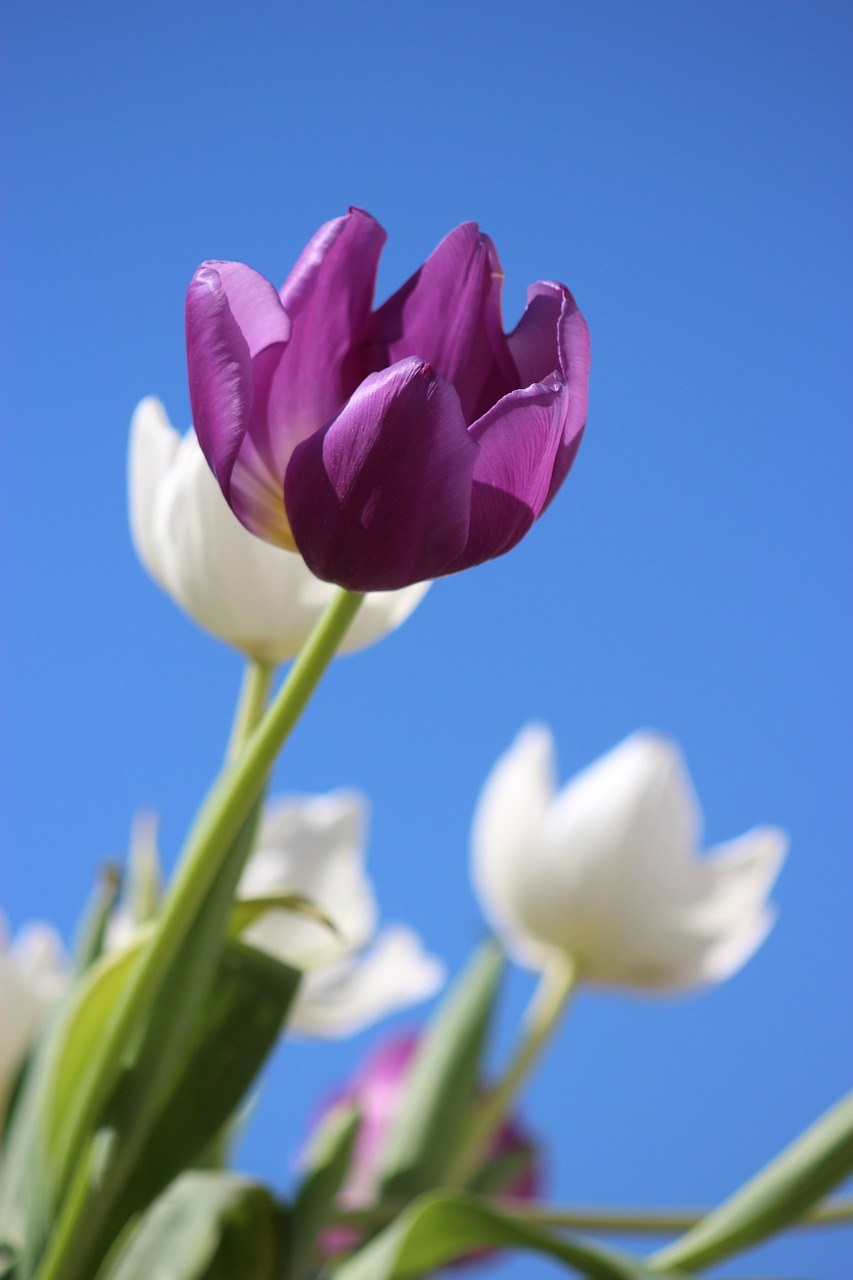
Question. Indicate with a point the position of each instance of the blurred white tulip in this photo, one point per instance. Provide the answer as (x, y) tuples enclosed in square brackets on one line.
[(255, 596), (314, 846), (607, 870), (33, 977)]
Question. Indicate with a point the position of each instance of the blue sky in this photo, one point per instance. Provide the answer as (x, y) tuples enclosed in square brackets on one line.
[(685, 169)]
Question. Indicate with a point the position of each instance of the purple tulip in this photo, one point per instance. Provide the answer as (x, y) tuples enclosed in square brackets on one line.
[(377, 1092), (394, 445)]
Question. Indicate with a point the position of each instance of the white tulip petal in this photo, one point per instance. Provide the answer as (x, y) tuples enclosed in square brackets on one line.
[(730, 953), (313, 846), (342, 999), (121, 929), (154, 444), (735, 878), (509, 818), (33, 976), (608, 871), (257, 597), (637, 795), (40, 957)]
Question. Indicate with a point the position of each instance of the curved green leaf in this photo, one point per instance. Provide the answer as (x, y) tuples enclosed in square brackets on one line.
[(88, 1009), (207, 1226), (246, 910), (328, 1165), (442, 1227), (228, 1041), (442, 1081)]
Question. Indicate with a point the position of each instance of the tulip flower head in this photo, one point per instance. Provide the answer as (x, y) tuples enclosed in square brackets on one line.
[(315, 846), (255, 596), (376, 1091), (387, 446), (607, 869)]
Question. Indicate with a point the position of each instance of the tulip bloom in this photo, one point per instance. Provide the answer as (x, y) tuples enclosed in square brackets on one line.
[(260, 599), (607, 870), (376, 1091), (394, 445)]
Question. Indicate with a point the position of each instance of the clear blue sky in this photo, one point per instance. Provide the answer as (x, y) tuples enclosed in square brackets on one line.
[(685, 168)]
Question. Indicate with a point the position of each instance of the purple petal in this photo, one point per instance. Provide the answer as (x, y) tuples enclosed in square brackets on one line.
[(552, 336), (328, 296), (533, 342), (236, 330), (519, 441), (573, 346), (380, 499), (448, 314)]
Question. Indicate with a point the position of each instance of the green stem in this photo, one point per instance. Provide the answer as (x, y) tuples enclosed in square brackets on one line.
[(254, 695), (540, 1021), (656, 1221), (628, 1221), (219, 820)]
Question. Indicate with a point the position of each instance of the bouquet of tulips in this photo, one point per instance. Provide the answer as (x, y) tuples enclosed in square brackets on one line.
[(342, 458)]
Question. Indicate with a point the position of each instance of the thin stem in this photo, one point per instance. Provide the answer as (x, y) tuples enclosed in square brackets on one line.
[(254, 695), (605, 1221), (637, 1221), (220, 818), (540, 1021)]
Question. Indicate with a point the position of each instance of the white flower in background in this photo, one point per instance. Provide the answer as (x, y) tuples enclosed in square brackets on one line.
[(260, 599), (33, 977), (314, 846), (607, 870)]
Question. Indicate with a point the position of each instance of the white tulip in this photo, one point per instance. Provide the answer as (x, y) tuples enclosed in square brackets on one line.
[(33, 977), (260, 599), (314, 846), (607, 870)]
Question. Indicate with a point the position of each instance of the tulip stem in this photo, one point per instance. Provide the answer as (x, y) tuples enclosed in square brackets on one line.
[(251, 704), (208, 844), (605, 1221), (541, 1017)]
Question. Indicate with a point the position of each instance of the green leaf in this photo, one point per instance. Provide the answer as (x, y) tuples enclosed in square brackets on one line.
[(191, 979), (228, 1042), (328, 1165), (23, 1183), (207, 1226), (89, 1007), (247, 910), (778, 1196), (439, 1228), (233, 1035), (164, 1038), (8, 1261), (442, 1081), (28, 1183)]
